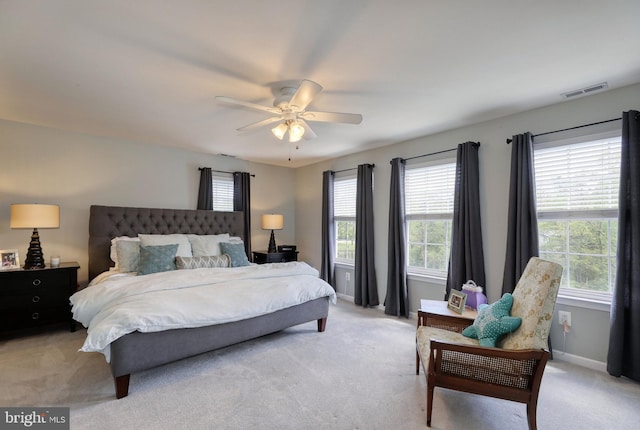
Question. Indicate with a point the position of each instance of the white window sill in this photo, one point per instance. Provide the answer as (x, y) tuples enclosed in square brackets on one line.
[(426, 278), (581, 302), (344, 265)]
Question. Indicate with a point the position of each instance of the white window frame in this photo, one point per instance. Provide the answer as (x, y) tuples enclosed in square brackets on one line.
[(344, 213), (441, 213), (222, 192), (603, 214)]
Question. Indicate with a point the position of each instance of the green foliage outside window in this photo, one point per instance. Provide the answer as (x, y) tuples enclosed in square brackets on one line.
[(585, 248), (346, 240), (429, 244)]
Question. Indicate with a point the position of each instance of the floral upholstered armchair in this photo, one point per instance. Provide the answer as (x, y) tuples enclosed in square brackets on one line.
[(512, 369)]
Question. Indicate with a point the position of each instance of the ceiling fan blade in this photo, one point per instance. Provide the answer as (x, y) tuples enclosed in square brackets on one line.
[(308, 132), (260, 124), (304, 94), (345, 118), (249, 105)]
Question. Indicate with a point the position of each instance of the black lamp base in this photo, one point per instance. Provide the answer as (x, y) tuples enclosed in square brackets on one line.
[(34, 259), (272, 243)]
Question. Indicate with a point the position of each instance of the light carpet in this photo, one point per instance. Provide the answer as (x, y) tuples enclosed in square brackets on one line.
[(359, 374)]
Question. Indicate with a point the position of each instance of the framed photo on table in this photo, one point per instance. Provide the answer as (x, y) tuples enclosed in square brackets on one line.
[(9, 259), (457, 299)]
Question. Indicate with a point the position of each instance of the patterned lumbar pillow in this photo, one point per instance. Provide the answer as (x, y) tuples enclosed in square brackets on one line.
[(493, 321), (236, 252), (209, 261), (157, 258)]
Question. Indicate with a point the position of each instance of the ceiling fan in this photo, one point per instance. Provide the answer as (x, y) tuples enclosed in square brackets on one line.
[(289, 111)]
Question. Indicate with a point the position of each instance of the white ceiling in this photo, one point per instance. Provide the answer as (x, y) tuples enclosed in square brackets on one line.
[(149, 70)]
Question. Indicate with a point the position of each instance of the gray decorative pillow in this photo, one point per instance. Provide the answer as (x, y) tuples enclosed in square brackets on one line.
[(236, 252), (157, 258), (203, 262), (128, 255)]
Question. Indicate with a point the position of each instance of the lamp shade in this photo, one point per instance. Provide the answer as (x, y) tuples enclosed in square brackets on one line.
[(272, 222), (35, 216)]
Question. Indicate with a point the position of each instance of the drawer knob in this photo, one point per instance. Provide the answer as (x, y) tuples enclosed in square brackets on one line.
[(36, 282), (35, 316), (35, 299)]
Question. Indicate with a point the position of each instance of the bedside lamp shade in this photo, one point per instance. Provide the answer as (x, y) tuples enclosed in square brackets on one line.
[(272, 222), (35, 216)]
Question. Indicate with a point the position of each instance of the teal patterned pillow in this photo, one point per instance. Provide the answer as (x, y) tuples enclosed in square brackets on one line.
[(157, 258), (236, 252)]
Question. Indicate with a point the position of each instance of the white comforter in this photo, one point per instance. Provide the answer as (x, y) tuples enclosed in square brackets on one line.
[(117, 305)]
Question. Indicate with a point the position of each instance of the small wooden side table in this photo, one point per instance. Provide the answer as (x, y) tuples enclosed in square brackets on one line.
[(435, 313)]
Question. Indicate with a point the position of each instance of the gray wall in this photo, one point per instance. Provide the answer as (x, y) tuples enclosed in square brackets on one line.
[(588, 338), (44, 165)]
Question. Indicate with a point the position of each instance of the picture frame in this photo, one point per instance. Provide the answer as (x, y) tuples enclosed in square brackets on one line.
[(9, 259), (457, 300)]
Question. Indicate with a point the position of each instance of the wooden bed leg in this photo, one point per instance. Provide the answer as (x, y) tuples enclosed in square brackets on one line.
[(322, 324), (122, 386)]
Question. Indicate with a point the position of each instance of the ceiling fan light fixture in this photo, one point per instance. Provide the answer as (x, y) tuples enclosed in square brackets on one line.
[(280, 130), (296, 131)]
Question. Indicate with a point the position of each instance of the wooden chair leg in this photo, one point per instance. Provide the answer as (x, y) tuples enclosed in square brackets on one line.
[(430, 389), (531, 414)]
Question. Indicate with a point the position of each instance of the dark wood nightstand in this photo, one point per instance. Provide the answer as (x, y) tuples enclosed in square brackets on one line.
[(35, 297), (262, 257)]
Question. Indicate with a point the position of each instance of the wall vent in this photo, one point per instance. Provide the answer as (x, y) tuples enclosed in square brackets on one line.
[(584, 91)]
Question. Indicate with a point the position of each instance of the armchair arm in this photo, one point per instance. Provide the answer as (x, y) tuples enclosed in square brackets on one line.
[(495, 372)]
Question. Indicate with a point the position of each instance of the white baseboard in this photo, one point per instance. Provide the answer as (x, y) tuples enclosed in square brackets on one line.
[(580, 361)]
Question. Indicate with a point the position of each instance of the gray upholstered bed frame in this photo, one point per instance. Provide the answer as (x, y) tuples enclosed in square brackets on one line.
[(140, 351)]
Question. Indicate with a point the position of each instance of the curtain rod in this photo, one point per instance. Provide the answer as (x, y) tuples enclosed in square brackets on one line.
[(477, 144), (571, 128), (353, 168), (223, 171)]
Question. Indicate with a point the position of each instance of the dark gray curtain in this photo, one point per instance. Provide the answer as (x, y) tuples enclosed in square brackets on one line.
[(327, 267), (205, 191), (624, 339), (242, 202), (366, 287), (397, 300), (522, 229), (467, 255)]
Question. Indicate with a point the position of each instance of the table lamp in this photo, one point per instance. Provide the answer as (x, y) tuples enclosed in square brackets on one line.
[(35, 216), (272, 222)]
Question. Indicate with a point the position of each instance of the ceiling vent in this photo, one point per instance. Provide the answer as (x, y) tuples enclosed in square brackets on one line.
[(584, 91)]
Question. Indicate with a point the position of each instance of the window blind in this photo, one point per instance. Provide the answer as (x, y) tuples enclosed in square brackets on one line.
[(344, 198), (222, 193), (578, 177), (430, 190)]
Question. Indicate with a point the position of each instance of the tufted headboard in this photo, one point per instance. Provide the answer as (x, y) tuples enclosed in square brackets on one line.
[(107, 222)]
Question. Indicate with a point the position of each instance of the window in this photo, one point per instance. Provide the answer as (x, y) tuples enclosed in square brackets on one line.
[(222, 193), (577, 202), (344, 215), (429, 193)]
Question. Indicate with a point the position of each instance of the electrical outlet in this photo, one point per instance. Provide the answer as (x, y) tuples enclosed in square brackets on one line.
[(347, 276), (564, 317)]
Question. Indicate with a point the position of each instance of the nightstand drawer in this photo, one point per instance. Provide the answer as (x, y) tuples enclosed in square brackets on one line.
[(32, 297), (21, 282), (22, 318)]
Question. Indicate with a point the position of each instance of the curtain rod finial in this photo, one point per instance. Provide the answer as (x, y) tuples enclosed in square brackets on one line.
[(509, 141)]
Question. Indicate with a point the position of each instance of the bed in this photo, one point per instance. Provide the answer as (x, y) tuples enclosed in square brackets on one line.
[(146, 348)]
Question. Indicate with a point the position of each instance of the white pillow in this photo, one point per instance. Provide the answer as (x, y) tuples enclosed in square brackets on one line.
[(114, 252), (235, 239), (184, 246), (205, 245)]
